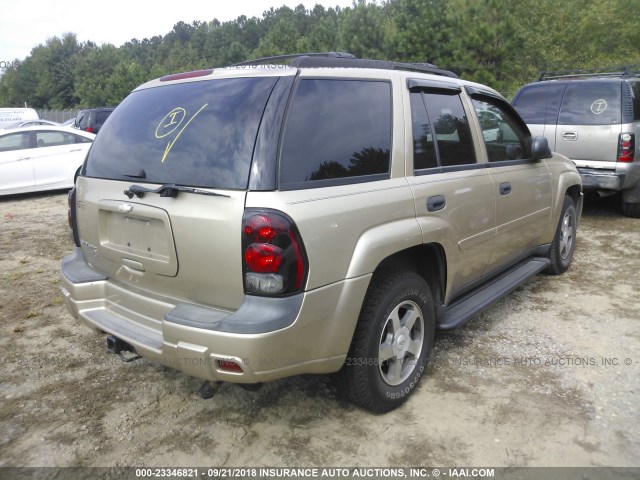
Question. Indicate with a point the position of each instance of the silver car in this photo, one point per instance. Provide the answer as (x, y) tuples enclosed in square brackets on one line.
[(593, 119)]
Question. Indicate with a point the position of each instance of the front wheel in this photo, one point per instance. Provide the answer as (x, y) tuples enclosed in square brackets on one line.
[(564, 242), (392, 341)]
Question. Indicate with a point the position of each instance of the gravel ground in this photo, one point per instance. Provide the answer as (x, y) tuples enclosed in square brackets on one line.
[(549, 376)]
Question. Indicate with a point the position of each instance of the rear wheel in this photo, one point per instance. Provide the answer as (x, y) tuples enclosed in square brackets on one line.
[(392, 341), (564, 242), (631, 209), (631, 201)]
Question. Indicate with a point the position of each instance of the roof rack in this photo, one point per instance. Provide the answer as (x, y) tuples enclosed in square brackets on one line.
[(623, 71), (347, 60), (279, 58)]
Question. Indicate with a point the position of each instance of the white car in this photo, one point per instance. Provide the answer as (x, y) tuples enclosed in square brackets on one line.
[(41, 158), (31, 123)]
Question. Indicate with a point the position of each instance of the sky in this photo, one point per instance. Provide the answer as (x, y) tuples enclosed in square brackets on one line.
[(26, 23)]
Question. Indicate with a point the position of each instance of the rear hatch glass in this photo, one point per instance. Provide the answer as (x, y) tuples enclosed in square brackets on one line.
[(197, 134), (591, 104)]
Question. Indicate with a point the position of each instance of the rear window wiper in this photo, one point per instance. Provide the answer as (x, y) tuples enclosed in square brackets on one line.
[(168, 190)]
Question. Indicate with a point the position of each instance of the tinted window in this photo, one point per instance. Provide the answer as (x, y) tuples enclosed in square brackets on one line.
[(539, 104), (81, 139), (424, 149), (82, 120), (101, 117), (336, 129), (453, 135), (15, 141), (591, 104), (503, 135), (198, 134), (635, 92)]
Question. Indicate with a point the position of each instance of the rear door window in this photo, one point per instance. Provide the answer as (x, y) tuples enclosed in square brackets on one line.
[(424, 146), (591, 104), (198, 134), (336, 132), (54, 139), (539, 104), (441, 135)]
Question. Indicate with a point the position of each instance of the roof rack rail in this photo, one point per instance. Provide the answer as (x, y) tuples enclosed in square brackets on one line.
[(368, 63), (623, 71), (278, 58), (347, 60)]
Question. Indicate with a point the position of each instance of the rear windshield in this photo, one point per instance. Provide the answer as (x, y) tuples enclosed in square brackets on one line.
[(198, 134), (591, 104)]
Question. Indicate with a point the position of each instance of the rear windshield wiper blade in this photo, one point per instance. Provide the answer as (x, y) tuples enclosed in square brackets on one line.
[(168, 190), (136, 173)]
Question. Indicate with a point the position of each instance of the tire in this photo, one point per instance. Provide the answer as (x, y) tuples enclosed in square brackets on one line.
[(564, 242), (631, 209), (392, 341)]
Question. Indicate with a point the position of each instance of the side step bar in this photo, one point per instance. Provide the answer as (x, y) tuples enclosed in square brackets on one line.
[(473, 303)]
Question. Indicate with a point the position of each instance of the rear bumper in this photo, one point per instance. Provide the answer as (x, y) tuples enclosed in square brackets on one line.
[(608, 175), (593, 179), (269, 338)]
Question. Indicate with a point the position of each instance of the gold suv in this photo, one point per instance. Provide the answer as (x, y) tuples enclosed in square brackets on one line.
[(254, 222)]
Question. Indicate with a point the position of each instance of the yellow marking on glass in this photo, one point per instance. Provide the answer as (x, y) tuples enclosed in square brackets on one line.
[(175, 117), (172, 142)]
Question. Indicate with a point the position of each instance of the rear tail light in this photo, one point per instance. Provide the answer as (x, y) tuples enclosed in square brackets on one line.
[(89, 129), (626, 147), (71, 216), (273, 257)]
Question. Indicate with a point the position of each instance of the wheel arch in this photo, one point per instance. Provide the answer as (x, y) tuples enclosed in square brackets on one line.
[(569, 184), (427, 260)]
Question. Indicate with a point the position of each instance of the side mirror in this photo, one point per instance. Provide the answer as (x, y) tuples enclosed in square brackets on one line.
[(540, 148)]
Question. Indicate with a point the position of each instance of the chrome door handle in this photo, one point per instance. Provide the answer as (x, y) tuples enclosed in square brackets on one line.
[(570, 136)]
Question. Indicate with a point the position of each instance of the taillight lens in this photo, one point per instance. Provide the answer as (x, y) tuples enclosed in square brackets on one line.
[(273, 257), (89, 129), (626, 147), (229, 366), (71, 215)]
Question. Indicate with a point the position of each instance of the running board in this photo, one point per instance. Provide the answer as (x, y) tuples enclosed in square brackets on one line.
[(462, 310)]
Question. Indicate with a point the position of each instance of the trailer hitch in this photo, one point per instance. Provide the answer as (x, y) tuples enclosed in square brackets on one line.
[(117, 346)]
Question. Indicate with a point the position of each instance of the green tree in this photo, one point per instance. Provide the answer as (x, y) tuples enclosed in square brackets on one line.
[(419, 31), (361, 30), (93, 75), (488, 44)]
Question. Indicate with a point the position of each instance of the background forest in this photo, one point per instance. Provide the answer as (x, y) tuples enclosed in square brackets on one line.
[(502, 43)]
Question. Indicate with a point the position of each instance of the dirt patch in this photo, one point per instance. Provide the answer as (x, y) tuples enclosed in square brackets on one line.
[(549, 376)]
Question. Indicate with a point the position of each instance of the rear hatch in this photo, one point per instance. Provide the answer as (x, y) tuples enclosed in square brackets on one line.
[(589, 123), (161, 197)]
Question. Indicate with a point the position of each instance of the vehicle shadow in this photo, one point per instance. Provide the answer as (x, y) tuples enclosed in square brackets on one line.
[(596, 206), (33, 195)]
